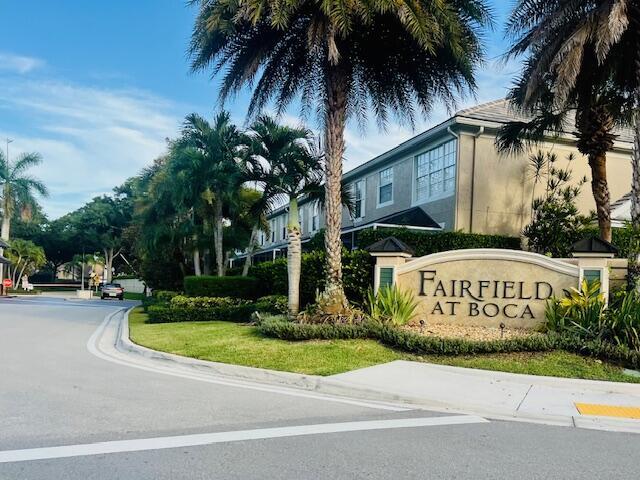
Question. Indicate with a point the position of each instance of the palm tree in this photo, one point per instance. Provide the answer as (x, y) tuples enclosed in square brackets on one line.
[(576, 65), (285, 164), (207, 172), (341, 58), (26, 257), (17, 188)]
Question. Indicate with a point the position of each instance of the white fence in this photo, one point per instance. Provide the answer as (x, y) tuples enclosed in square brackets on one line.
[(131, 285)]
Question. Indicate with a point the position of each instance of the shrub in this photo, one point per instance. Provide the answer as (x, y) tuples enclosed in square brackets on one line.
[(390, 304), (164, 295), (201, 309), (411, 342), (209, 286), (426, 243), (582, 314), (275, 304), (357, 271)]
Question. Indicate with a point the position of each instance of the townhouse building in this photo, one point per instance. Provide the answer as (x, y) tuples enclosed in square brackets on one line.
[(452, 177)]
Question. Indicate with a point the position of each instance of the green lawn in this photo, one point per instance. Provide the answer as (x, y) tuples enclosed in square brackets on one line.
[(133, 296), (242, 345)]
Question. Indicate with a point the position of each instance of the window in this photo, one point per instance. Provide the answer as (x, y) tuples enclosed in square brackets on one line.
[(386, 277), (315, 219), (435, 172), (301, 219), (592, 276), (272, 229), (385, 187), (284, 219), (358, 197), (261, 238)]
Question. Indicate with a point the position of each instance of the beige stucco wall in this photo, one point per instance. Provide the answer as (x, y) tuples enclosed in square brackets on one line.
[(503, 186)]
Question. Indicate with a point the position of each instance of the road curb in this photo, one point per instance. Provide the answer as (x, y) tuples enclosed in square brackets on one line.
[(339, 388)]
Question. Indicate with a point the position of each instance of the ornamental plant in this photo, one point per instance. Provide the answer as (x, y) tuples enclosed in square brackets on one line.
[(391, 305)]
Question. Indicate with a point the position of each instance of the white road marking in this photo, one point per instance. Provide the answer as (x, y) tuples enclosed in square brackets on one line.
[(92, 346), (159, 443)]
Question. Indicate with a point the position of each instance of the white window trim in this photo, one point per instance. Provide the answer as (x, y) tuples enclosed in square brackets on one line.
[(314, 207), (414, 177), (393, 181), (363, 199)]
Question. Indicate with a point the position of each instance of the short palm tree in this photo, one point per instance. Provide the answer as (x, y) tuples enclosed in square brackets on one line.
[(285, 164), (576, 71), (341, 58), (26, 257), (17, 188), (207, 173)]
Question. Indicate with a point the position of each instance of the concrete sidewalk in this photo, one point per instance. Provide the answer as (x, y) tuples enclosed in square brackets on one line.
[(497, 395), (506, 395)]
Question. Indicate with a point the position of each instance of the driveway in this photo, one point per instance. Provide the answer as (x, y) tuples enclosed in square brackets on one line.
[(65, 413)]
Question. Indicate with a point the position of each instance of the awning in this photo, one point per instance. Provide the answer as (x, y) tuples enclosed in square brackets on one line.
[(411, 217), (4, 260)]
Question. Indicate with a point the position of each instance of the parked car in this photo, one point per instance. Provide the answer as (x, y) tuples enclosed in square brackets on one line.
[(112, 290)]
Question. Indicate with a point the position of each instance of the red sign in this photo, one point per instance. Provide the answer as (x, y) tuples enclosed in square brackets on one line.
[(7, 283)]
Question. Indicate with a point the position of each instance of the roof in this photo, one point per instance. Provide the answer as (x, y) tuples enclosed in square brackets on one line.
[(593, 245), (500, 111), (414, 216), (390, 245), (621, 201)]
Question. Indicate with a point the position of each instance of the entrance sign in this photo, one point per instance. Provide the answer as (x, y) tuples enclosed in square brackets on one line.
[(485, 287)]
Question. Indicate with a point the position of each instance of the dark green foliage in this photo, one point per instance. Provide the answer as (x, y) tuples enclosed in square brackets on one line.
[(425, 243), (203, 309), (209, 286), (583, 314), (424, 345), (556, 222), (357, 271), (164, 295)]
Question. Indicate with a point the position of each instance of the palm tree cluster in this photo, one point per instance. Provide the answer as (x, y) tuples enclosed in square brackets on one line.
[(209, 196), (341, 58), (581, 73)]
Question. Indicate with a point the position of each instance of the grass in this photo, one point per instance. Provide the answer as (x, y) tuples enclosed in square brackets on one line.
[(243, 345), (133, 296)]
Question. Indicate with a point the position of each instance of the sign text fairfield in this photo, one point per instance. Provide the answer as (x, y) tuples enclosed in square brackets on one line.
[(477, 298)]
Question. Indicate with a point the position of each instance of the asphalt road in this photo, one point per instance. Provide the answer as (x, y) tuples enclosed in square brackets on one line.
[(58, 403)]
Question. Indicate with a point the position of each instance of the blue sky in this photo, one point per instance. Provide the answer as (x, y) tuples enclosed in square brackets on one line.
[(96, 87)]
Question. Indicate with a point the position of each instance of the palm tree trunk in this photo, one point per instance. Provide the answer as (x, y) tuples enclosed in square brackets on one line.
[(335, 121), (218, 240), (196, 262), (635, 175), (294, 257), (206, 261), (252, 245), (600, 189)]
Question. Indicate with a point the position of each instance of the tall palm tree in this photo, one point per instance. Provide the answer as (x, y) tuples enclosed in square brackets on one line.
[(17, 188), (576, 71), (205, 166), (341, 58), (285, 164)]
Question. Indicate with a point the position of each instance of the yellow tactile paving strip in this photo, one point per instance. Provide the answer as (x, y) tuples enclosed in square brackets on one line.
[(608, 410)]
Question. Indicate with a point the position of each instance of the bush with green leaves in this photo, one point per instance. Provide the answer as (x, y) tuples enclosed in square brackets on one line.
[(201, 309), (211, 286), (426, 243), (412, 342), (357, 274), (582, 313), (391, 305), (556, 221)]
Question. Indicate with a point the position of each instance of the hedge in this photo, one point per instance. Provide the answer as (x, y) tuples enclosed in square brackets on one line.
[(210, 286), (415, 343), (426, 243), (204, 309), (357, 274)]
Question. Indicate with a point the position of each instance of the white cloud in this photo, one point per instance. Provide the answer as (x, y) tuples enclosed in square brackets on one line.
[(91, 139), (18, 63)]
